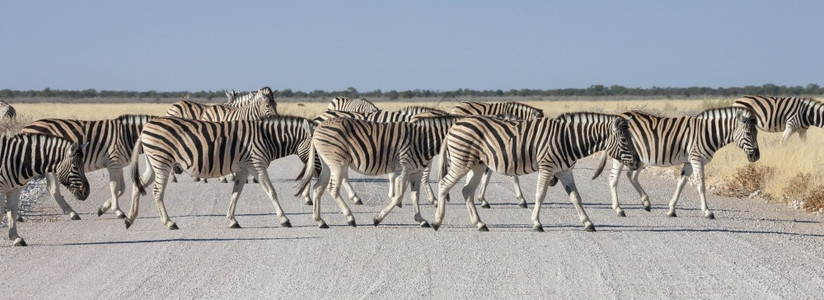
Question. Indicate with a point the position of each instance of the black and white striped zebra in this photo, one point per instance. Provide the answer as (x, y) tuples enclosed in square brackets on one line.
[(547, 146), (353, 105), (262, 105), (25, 156), (212, 149), (108, 144), (505, 110), (237, 99), (691, 141), (784, 114), (374, 148), (7, 111)]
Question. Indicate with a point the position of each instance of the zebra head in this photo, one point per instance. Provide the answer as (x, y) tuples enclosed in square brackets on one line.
[(619, 144), (266, 105), (70, 172), (746, 134)]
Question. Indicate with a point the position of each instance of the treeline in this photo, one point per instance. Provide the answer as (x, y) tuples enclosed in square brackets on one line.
[(811, 89)]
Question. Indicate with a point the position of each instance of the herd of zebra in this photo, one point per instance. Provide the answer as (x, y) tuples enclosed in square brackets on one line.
[(244, 135)]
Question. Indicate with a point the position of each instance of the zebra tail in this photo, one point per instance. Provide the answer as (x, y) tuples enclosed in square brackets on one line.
[(308, 171), (442, 170), (601, 163), (138, 183)]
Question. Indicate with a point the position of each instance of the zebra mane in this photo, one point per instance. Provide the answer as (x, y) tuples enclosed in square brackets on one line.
[(134, 119), (725, 113), (586, 117), (236, 99)]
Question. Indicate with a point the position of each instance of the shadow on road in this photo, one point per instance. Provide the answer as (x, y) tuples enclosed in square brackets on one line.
[(177, 240)]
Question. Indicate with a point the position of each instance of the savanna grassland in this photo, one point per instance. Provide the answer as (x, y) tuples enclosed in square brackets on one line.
[(788, 173)]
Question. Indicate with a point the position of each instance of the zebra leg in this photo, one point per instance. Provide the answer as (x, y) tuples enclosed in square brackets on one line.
[(540, 193), (686, 171), (468, 192), (398, 183), (614, 176), (415, 181), (482, 187), (266, 183), (12, 198), (454, 173), (351, 191), (149, 176), (237, 188), (569, 185), (430, 195), (115, 177), (516, 183), (317, 192), (54, 190), (633, 179), (307, 199), (158, 191), (393, 186), (336, 174), (698, 169)]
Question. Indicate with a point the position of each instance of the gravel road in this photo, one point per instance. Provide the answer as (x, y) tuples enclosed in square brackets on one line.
[(751, 250)]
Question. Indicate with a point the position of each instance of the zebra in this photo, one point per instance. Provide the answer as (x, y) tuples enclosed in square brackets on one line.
[(7, 111), (28, 155), (787, 114), (108, 144), (691, 141), (211, 149), (374, 148), (236, 99), (505, 110), (352, 105), (547, 146), (262, 105)]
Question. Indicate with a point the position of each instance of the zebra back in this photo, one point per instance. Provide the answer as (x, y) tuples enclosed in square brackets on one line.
[(774, 113), (7, 111), (262, 106), (513, 109), (186, 109), (415, 110), (331, 114), (352, 105), (237, 100)]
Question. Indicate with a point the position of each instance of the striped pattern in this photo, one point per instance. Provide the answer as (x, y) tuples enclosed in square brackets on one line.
[(691, 141), (352, 105), (547, 146), (236, 99), (374, 148), (784, 114), (7, 111), (25, 156), (263, 105), (212, 149), (108, 144)]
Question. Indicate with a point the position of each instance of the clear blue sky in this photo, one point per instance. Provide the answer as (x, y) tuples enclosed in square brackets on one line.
[(400, 45)]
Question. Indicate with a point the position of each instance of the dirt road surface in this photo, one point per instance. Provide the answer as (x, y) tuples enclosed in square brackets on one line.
[(751, 250)]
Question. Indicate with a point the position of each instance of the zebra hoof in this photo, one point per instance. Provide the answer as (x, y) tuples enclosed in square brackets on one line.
[(483, 228), (522, 205), (375, 222), (224, 180), (589, 228), (120, 215), (436, 226), (128, 223), (352, 223), (400, 204), (485, 205), (709, 215), (621, 214), (671, 215), (358, 202), (286, 224), (648, 208), (20, 218), (234, 225), (20, 242), (538, 228), (308, 202), (99, 212), (424, 224), (75, 216), (323, 225), (173, 226)]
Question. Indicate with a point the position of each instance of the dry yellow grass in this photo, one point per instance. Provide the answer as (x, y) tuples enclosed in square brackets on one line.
[(787, 161)]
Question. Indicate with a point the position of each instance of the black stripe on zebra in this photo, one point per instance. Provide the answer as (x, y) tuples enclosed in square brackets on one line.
[(513, 110), (784, 114), (212, 149), (262, 106), (24, 156), (7, 111), (547, 146), (108, 144), (352, 105), (691, 141)]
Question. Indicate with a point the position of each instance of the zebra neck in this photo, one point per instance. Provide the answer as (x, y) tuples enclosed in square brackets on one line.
[(593, 140), (716, 133)]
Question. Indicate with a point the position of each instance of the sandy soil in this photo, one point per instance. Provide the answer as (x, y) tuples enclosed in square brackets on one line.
[(751, 250)]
